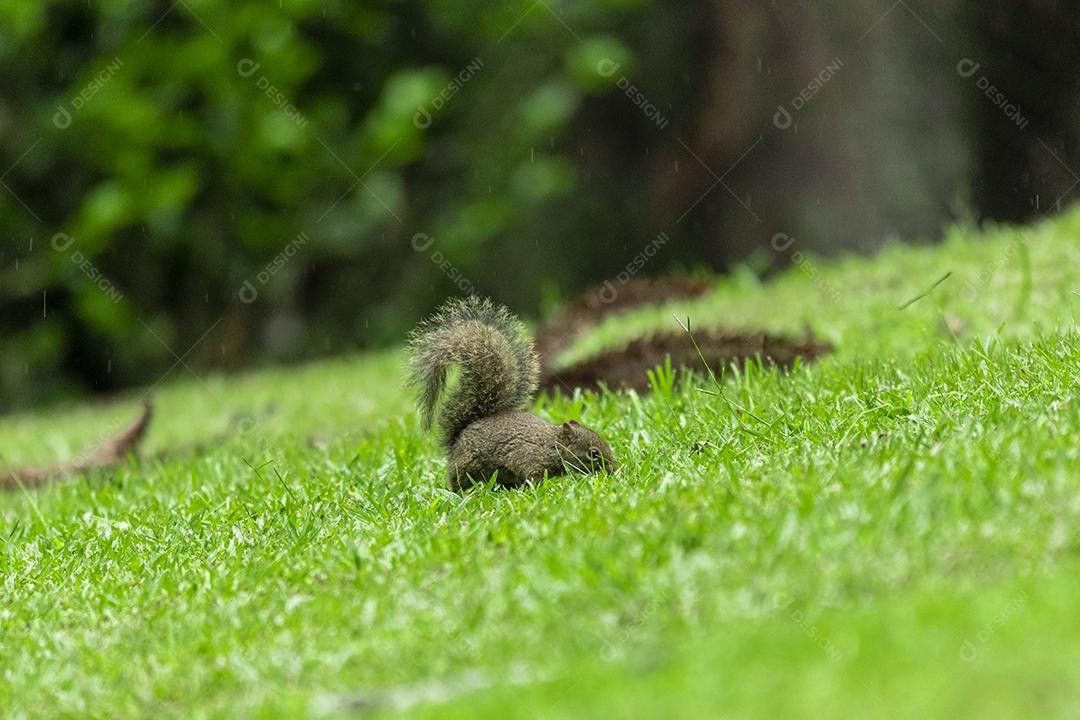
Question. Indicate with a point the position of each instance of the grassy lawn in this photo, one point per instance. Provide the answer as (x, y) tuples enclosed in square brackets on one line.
[(891, 533)]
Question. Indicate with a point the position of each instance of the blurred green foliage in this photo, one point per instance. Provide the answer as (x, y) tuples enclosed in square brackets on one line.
[(201, 184), (183, 147)]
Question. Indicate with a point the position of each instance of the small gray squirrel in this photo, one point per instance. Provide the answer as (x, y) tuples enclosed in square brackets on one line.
[(482, 423)]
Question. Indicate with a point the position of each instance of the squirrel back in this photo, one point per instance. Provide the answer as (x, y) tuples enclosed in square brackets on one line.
[(499, 367)]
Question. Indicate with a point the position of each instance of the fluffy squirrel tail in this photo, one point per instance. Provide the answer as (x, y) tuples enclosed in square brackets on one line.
[(499, 367)]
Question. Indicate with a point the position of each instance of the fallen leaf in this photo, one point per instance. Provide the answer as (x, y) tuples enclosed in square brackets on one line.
[(112, 451)]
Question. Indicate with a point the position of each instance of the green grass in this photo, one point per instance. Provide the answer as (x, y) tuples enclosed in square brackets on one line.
[(888, 534)]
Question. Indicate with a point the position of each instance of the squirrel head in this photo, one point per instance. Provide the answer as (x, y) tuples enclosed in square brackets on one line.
[(583, 450)]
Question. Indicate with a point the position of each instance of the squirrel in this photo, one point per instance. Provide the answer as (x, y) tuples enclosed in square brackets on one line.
[(482, 424)]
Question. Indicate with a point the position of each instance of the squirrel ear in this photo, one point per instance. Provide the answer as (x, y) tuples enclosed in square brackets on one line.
[(569, 430)]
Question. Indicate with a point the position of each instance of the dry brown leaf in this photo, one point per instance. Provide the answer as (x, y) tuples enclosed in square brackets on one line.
[(628, 366), (112, 451)]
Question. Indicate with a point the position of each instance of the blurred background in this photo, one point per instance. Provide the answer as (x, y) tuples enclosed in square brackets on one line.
[(227, 184)]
